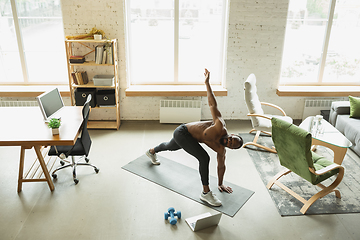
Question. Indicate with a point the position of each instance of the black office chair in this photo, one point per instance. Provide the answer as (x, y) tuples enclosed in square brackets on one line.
[(81, 147)]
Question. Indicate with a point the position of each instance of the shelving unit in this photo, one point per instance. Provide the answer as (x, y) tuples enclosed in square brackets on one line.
[(90, 45)]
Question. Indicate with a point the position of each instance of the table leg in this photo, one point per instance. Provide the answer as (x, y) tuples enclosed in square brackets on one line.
[(339, 155), (44, 168), (21, 168)]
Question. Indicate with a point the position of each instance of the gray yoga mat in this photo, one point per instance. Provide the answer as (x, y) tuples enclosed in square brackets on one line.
[(186, 181)]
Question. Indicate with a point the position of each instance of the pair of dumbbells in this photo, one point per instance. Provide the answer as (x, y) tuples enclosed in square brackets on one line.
[(172, 214)]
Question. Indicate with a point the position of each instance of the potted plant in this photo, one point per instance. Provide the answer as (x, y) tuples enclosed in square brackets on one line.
[(54, 124)]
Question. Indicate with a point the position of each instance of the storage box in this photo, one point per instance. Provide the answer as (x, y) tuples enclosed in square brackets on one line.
[(103, 80), (105, 97), (81, 95)]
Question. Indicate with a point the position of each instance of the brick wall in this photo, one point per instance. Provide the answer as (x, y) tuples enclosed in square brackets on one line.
[(255, 42)]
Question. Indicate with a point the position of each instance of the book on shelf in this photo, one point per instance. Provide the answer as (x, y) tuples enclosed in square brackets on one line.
[(85, 77), (104, 54), (80, 77), (109, 51), (99, 50), (104, 57), (77, 59), (73, 75)]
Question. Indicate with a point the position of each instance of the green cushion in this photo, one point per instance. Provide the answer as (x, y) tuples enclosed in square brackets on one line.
[(354, 107), (293, 145), (321, 162)]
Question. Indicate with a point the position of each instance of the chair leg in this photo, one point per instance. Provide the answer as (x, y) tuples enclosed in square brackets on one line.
[(308, 203), (325, 191), (277, 176), (337, 192), (88, 164), (254, 142), (73, 164), (59, 168)]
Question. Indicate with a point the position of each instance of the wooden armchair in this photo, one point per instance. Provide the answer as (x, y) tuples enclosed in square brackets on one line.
[(293, 146), (260, 121)]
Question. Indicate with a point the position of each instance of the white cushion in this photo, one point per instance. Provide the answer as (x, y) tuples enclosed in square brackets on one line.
[(254, 106), (252, 100)]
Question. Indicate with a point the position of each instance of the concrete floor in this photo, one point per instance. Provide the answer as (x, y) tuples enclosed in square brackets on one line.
[(116, 204)]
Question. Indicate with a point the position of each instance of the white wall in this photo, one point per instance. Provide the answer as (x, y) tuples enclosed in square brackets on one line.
[(255, 44)]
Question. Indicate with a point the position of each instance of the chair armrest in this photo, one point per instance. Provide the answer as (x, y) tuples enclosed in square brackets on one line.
[(325, 169), (258, 115), (274, 106)]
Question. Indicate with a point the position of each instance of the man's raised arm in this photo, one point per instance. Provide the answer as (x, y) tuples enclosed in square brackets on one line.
[(215, 113)]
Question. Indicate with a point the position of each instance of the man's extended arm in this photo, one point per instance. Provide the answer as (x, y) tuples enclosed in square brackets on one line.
[(210, 94), (211, 97), (221, 171)]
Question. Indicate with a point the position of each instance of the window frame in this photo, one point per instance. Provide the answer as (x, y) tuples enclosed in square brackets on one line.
[(222, 64), (22, 57), (321, 69)]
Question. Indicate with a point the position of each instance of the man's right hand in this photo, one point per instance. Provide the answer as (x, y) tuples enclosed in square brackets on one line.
[(207, 76), (225, 188)]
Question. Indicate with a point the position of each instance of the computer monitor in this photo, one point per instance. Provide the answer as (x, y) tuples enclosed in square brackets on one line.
[(50, 103)]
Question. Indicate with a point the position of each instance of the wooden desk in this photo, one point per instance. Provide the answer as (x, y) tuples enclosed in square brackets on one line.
[(25, 127)]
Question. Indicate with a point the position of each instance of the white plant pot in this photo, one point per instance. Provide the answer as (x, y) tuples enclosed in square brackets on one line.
[(97, 36), (55, 131)]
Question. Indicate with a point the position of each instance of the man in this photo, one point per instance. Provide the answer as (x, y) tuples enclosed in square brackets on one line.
[(214, 135)]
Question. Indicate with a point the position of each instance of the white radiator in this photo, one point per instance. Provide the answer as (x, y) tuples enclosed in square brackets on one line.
[(18, 104), (180, 111), (313, 107)]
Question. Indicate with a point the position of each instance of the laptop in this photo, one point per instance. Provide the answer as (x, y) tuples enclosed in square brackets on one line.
[(50, 104), (203, 221)]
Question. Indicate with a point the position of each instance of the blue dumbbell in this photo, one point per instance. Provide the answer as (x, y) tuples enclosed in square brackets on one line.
[(171, 213)]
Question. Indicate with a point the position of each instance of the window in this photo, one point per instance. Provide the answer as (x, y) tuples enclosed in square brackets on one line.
[(32, 49), (322, 43), (171, 42)]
